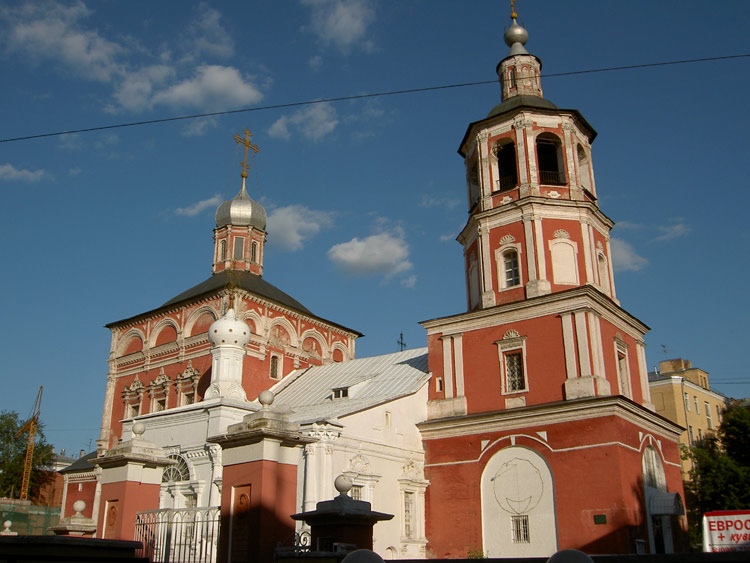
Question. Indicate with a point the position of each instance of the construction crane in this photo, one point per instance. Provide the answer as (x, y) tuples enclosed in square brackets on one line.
[(31, 425)]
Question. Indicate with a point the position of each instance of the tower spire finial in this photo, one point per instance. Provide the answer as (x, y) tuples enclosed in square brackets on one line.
[(513, 14), (248, 145)]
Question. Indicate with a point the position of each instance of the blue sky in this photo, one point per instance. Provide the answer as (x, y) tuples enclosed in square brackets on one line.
[(365, 197)]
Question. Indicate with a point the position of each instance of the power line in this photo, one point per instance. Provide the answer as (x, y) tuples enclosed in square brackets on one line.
[(356, 97)]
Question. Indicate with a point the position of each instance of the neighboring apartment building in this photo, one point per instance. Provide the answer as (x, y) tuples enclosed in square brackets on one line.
[(681, 393)]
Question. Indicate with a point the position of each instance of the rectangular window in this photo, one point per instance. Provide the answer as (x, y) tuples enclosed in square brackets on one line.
[(512, 273), (520, 527), (708, 415), (697, 410), (133, 410), (438, 384), (188, 397), (160, 404), (341, 393), (274, 373), (409, 515), (356, 492), (691, 437), (254, 252), (239, 248), (687, 402), (514, 377)]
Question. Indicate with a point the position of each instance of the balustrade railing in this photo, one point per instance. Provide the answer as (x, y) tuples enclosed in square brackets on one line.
[(551, 178), (185, 535)]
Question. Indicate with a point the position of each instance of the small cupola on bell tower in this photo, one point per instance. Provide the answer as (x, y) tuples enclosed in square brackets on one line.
[(519, 72), (240, 233)]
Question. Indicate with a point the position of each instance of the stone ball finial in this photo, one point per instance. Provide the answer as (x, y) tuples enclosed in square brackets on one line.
[(265, 398), (362, 556), (7, 524), (570, 556), (79, 506), (343, 484), (138, 429)]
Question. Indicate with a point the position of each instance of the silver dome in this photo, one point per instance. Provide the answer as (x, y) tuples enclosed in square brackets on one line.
[(241, 211), (516, 37)]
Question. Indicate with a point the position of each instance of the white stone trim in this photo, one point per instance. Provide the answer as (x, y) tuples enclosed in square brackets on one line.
[(512, 342)]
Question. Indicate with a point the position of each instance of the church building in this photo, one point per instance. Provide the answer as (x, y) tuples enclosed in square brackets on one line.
[(523, 428)]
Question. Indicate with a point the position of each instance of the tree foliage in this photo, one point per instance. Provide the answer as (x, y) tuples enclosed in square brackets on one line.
[(13, 455), (720, 474)]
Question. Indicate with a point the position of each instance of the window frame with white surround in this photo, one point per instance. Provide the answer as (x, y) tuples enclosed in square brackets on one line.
[(622, 366), (512, 345), (508, 247)]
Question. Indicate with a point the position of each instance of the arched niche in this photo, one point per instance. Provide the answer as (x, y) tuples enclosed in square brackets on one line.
[(518, 505), (167, 332), (200, 321), (131, 343)]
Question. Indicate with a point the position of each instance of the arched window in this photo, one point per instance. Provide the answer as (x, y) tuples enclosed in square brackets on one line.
[(507, 175), (473, 284), (550, 160), (254, 252), (584, 172), (472, 179), (511, 77), (177, 472), (222, 250)]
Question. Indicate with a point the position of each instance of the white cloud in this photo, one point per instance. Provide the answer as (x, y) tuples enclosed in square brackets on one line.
[(315, 62), (195, 208), (624, 256), (10, 173), (342, 23), (206, 35), (75, 171), (669, 232), (385, 254), (289, 227), (48, 30), (409, 282), (448, 237), (430, 201), (199, 126), (70, 141), (135, 90), (212, 86), (314, 122)]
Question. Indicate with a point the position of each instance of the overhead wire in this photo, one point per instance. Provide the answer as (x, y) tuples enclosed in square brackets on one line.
[(356, 97)]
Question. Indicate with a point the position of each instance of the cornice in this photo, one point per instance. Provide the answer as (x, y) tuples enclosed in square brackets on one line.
[(547, 414), (585, 298)]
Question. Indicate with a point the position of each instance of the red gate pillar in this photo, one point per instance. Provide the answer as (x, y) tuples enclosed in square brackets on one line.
[(259, 483), (130, 483)]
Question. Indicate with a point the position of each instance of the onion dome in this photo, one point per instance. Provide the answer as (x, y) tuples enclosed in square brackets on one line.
[(241, 211), (515, 38), (229, 330)]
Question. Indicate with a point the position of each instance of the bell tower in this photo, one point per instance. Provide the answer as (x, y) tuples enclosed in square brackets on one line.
[(534, 224), (240, 233)]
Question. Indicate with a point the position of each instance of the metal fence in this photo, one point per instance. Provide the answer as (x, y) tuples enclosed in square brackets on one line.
[(181, 535)]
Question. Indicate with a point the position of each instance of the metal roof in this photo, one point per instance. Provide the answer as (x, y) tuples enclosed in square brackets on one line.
[(369, 382), (248, 281)]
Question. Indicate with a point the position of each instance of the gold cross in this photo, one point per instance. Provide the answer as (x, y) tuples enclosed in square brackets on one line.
[(248, 145), (513, 13)]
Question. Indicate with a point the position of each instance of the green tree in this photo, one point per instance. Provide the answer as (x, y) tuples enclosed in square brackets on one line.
[(13, 455), (720, 474)]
